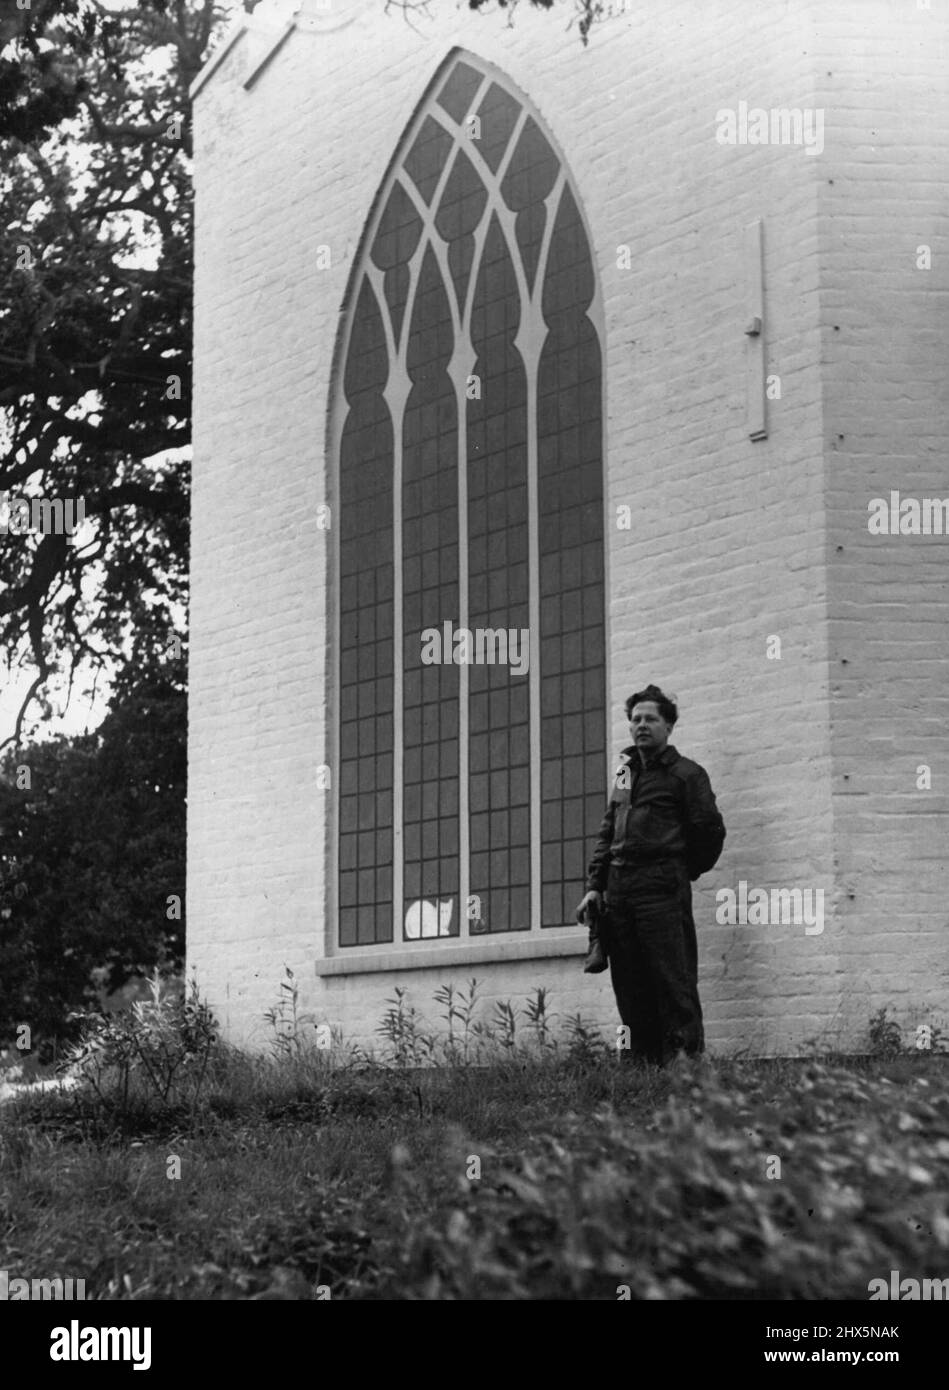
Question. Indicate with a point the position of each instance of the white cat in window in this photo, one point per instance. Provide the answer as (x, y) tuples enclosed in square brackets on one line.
[(426, 919)]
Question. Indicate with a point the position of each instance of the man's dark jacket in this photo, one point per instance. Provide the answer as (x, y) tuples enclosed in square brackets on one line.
[(665, 811)]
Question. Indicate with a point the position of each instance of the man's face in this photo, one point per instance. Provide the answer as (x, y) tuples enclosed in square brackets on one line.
[(649, 730)]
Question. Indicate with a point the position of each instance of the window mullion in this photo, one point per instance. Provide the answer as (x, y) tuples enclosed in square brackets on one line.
[(396, 395), (528, 342), (460, 372)]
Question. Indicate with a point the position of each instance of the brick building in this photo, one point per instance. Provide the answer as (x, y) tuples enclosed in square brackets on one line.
[(604, 352)]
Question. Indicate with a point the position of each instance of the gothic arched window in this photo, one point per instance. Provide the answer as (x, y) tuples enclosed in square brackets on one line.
[(468, 435)]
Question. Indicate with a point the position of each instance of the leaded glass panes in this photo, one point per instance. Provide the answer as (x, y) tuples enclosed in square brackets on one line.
[(570, 476), (498, 594), (366, 549), (459, 90), (470, 498), (430, 591)]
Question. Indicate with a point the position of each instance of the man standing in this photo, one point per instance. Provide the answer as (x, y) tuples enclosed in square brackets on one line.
[(662, 829)]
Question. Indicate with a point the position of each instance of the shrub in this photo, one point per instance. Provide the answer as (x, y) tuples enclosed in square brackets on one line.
[(159, 1049), (401, 1027), (886, 1039)]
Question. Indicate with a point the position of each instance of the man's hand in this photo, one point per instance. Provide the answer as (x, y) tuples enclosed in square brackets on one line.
[(593, 900)]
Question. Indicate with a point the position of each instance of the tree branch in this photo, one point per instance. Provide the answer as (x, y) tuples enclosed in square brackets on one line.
[(125, 134)]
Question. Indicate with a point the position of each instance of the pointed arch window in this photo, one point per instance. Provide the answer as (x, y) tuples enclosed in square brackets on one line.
[(468, 436)]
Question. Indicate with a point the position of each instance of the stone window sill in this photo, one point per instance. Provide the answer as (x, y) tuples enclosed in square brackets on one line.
[(444, 954)]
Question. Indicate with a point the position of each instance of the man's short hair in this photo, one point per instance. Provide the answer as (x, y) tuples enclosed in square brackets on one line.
[(666, 707)]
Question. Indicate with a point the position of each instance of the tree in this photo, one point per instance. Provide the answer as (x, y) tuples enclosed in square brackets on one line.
[(92, 852), (95, 321), (586, 12)]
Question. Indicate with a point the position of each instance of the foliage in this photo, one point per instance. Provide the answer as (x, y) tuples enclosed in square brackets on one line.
[(586, 12), (401, 1027), (684, 1207), (459, 1009), (294, 1038), (467, 1040), (90, 853), (886, 1039), (95, 323), (585, 1044), (503, 1027), (538, 1018), (885, 1036), (161, 1044), (286, 1020), (298, 1176)]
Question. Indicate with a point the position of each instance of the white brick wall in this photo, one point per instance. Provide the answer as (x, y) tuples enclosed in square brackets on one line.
[(883, 326), (732, 541)]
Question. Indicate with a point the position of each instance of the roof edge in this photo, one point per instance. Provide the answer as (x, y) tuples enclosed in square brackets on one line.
[(217, 57)]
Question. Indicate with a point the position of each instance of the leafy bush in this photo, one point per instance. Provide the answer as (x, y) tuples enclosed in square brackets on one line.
[(157, 1050), (88, 850), (886, 1038), (292, 1030), (470, 1041)]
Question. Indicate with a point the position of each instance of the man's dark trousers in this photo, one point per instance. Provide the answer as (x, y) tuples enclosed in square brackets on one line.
[(654, 959)]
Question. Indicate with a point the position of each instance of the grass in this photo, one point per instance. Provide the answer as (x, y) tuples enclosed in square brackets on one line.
[(300, 1179)]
